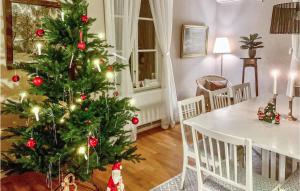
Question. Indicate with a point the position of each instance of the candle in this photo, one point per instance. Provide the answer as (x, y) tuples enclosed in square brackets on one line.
[(97, 64), (23, 95), (39, 48), (292, 80), (36, 111), (275, 75), (62, 14)]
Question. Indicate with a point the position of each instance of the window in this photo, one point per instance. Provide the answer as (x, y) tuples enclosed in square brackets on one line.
[(145, 57)]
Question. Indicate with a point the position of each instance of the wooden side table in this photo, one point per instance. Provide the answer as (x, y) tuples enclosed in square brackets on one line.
[(251, 62)]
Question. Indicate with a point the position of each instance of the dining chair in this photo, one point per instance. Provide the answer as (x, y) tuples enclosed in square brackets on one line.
[(228, 174), (241, 92), (292, 183), (219, 98), (189, 108)]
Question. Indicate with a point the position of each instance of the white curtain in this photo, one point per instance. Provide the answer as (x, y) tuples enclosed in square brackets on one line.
[(295, 63), (162, 11), (122, 24)]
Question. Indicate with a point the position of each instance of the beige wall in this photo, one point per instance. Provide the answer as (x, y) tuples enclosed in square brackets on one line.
[(249, 16)]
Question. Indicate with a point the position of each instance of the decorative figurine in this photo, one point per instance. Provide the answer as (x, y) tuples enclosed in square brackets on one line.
[(115, 182)]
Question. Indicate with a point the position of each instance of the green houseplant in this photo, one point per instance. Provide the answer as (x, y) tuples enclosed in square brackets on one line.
[(251, 44)]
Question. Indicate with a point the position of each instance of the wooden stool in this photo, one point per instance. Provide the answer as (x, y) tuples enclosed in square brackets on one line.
[(251, 62)]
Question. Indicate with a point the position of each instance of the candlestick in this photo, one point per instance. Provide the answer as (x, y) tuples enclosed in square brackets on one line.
[(39, 48), (290, 116), (275, 74), (292, 80)]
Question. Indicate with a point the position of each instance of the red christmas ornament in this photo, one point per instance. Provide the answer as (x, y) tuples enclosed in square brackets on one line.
[(40, 32), (93, 141), (135, 120), (110, 68), (31, 143), (15, 78), (81, 45), (37, 81), (83, 97), (84, 18)]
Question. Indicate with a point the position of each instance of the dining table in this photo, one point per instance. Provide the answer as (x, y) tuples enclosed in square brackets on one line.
[(276, 141)]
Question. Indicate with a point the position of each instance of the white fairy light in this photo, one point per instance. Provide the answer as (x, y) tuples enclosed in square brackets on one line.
[(36, 110), (96, 63), (23, 95), (39, 48), (82, 151), (78, 100), (62, 120), (132, 102), (109, 75), (72, 107), (101, 36)]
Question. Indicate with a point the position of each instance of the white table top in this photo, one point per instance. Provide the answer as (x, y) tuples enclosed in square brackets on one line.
[(241, 120)]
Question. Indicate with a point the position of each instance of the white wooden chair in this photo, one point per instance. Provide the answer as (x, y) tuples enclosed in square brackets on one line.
[(228, 174), (219, 98), (241, 92), (189, 108), (292, 183)]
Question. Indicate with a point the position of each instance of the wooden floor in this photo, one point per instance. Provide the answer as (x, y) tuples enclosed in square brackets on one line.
[(162, 150)]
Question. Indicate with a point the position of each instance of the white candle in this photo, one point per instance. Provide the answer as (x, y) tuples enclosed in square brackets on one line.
[(36, 111), (292, 78), (39, 48), (97, 64), (275, 75), (62, 14), (23, 95)]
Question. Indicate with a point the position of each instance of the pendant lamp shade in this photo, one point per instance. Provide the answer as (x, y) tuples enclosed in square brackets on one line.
[(286, 18)]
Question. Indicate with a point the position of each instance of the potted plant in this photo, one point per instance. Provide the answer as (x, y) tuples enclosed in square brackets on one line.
[(251, 44)]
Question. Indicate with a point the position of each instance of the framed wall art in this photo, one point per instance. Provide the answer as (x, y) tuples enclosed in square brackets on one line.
[(22, 19), (194, 41)]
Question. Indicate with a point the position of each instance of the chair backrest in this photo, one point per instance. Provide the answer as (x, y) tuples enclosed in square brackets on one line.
[(219, 98), (227, 170), (189, 108), (241, 92)]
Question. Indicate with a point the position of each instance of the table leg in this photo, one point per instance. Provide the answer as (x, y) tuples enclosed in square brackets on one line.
[(265, 163), (294, 165), (256, 80), (243, 76), (282, 160), (273, 165)]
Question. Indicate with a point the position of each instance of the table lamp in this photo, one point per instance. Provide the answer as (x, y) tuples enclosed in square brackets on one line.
[(221, 47)]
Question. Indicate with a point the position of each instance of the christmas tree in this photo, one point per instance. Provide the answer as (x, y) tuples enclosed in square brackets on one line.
[(75, 118)]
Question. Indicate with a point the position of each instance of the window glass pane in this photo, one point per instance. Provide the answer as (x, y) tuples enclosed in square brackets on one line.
[(146, 65), (146, 35), (145, 10)]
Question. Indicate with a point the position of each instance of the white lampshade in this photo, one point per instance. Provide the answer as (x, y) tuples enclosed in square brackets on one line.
[(221, 45)]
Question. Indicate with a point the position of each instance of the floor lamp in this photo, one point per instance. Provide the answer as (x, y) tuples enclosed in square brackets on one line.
[(221, 47)]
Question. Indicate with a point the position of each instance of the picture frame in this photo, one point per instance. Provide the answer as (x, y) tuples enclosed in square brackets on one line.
[(194, 41), (19, 42)]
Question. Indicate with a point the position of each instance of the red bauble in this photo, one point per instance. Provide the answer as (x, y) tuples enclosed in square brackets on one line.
[(93, 141), (31, 143), (81, 45), (110, 68), (37, 81), (84, 18), (83, 97), (15, 78), (40, 32), (135, 120)]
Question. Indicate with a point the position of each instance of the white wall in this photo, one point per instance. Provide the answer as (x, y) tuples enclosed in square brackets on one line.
[(252, 16), (187, 70)]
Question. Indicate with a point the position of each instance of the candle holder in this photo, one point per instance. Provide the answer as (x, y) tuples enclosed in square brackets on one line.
[(290, 116), (275, 99)]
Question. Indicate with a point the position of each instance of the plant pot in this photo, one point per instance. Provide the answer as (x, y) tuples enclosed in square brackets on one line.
[(252, 52)]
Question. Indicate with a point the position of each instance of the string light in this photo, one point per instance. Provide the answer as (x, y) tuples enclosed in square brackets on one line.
[(62, 120), (132, 102), (96, 63), (23, 95), (36, 110), (101, 36), (78, 100), (109, 75), (72, 107), (82, 151)]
